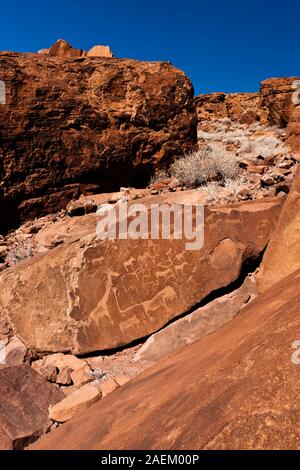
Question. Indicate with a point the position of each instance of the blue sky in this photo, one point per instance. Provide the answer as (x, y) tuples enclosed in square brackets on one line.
[(222, 45)]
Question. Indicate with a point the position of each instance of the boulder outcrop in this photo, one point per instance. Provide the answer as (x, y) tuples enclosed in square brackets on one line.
[(235, 106), (93, 294), (273, 105), (64, 50), (83, 125), (276, 101), (293, 132), (25, 399), (282, 256)]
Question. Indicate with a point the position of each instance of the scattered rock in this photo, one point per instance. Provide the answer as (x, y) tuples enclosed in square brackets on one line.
[(75, 403), (198, 324), (64, 376), (108, 387), (82, 376)]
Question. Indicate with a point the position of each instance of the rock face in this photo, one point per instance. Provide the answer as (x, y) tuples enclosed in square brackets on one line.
[(293, 131), (282, 256), (237, 388), (276, 100), (84, 125), (234, 106), (25, 399), (94, 294), (198, 324), (272, 106)]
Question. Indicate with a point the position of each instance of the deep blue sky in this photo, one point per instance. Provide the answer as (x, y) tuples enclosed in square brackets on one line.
[(222, 45)]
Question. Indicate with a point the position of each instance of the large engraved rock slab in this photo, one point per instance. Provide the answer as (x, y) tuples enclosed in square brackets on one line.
[(100, 294)]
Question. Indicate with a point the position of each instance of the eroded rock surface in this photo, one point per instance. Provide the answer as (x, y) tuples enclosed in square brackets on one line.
[(92, 294), (293, 132), (86, 125), (282, 256)]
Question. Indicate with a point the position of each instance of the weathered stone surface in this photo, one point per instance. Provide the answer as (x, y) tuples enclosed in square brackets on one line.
[(234, 389), (198, 324), (64, 376), (86, 125), (293, 131), (282, 256), (232, 106), (276, 100), (101, 294), (25, 399), (273, 105), (82, 376), (108, 387), (75, 403)]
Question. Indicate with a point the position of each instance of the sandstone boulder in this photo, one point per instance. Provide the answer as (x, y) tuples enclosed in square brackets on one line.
[(100, 51), (293, 131), (74, 403), (237, 388), (276, 102), (108, 387), (282, 256), (64, 50), (86, 125), (25, 399), (92, 294)]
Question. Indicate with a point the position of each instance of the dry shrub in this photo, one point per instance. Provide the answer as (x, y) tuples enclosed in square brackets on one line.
[(209, 164)]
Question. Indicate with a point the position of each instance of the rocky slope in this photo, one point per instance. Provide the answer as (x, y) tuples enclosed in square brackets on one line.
[(234, 389), (85, 125)]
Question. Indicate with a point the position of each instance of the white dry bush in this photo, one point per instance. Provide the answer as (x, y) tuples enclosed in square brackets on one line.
[(235, 185), (212, 191), (159, 177), (211, 163), (265, 146)]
